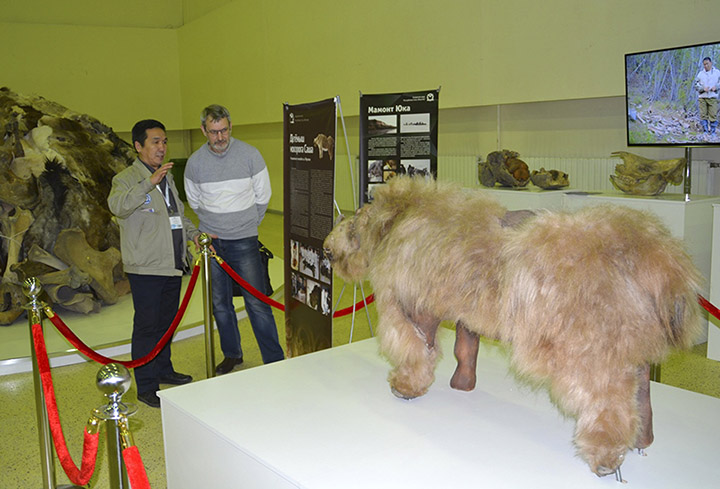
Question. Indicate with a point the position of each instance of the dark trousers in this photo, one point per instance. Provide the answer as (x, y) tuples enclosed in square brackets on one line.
[(156, 299)]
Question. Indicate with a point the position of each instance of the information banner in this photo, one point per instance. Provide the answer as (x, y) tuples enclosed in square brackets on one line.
[(398, 135), (309, 175)]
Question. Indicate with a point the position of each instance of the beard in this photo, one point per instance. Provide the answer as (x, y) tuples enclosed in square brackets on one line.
[(220, 146)]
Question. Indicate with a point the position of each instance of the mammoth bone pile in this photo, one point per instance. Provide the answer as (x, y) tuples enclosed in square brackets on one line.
[(56, 168), (588, 326)]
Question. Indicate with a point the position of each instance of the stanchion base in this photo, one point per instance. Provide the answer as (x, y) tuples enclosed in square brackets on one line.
[(107, 412)]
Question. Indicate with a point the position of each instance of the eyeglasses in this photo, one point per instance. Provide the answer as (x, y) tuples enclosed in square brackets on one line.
[(217, 132)]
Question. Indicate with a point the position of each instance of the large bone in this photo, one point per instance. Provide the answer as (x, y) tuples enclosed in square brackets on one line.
[(13, 230), (11, 302), (549, 179), (71, 299), (642, 176), (503, 167), (39, 255), (72, 277), (62, 286), (72, 248)]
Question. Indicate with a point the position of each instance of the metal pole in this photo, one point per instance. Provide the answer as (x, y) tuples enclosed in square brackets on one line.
[(205, 242), (688, 173), (113, 380), (32, 289), (117, 473)]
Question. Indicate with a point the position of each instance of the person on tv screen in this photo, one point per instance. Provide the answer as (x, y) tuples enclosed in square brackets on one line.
[(707, 83)]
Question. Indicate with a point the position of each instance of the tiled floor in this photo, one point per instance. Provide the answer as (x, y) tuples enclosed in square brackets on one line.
[(77, 394)]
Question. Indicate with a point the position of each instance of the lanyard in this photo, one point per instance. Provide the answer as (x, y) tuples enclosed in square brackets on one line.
[(166, 195)]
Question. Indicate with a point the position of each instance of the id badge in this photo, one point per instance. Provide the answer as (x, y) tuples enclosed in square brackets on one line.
[(175, 222)]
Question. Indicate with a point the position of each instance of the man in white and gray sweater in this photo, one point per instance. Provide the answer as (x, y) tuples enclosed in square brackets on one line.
[(228, 186)]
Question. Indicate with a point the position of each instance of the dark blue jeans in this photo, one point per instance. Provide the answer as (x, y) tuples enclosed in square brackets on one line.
[(243, 256), (155, 299)]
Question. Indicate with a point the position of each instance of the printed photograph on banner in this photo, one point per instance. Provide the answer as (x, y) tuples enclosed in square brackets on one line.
[(299, 287), (325, 145), (417, 168), (415, 123), (382, 124), (326, 301), (375, 171), (325, 269), (309, 258), (392, 168), (313, 294), (371, 190), (294, 254)]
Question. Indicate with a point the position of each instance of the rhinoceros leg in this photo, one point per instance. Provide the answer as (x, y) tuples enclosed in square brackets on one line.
[(466, 351), (645, 433), (408, 341)]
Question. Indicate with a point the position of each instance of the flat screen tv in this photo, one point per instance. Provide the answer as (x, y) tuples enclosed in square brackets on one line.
[(662, 92)]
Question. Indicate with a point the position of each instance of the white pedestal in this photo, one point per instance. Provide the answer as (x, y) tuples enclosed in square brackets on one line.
[(527, 198), (328, 420), (713, 348)]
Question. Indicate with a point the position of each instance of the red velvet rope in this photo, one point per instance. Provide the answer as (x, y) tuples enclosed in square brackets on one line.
[(136, 470), (90, 443), (344, 312), (90, 353), (709, 307), (246, 285), (272, 302)]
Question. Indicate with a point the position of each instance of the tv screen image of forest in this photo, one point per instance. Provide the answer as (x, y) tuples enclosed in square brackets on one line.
[(661, 97)]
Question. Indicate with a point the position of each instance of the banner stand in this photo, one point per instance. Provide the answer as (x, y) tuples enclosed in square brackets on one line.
[(356, 203)]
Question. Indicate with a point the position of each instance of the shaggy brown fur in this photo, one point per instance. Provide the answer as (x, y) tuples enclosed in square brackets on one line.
[(588, 300)]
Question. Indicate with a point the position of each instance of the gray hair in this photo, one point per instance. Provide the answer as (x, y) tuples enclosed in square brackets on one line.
[(214, 112)]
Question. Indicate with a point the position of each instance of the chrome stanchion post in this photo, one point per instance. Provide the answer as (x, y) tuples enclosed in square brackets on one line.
[(32, 289), (113, 380), (205, 242)]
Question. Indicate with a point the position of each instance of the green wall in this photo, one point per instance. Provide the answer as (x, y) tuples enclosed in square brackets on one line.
[(118, 75), (542, 78), (254, 54)]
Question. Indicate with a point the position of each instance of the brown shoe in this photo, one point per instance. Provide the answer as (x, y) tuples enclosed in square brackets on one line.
[(227, 365)]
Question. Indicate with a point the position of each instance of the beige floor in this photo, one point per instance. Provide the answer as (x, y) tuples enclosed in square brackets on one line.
[(77, 394)]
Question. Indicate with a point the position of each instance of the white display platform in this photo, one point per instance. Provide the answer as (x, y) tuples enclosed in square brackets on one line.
[(527, 197), (328, 420)]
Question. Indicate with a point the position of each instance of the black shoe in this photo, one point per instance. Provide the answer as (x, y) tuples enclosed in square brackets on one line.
[(175, 378), (149, 398), (227, 365)]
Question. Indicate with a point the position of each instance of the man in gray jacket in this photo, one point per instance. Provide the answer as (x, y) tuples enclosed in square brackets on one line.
[(153, 240)]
